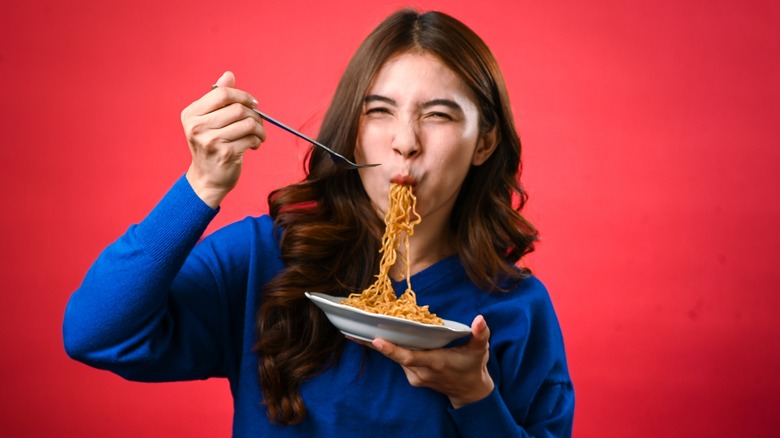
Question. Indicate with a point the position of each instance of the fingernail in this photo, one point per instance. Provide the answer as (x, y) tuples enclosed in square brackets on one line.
[(255, 102)]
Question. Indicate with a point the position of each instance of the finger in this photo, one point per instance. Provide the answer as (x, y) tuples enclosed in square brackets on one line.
[(398, 354), (413, 377), (228, 79), (221, 97), (229, 115), (248, 142), (480, 333), (240, 129)]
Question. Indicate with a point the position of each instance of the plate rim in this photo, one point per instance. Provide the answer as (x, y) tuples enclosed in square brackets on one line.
[(320, 296)]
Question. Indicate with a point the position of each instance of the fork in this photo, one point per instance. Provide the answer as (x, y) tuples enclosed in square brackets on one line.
[(335, 156)]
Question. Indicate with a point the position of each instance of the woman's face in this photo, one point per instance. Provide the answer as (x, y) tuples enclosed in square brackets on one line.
[(421, 123)]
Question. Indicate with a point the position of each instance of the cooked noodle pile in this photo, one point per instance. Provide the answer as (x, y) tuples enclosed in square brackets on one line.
[(380, 296)]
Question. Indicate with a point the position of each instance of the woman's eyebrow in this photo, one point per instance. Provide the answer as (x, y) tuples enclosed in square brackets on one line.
[(377, 98), (443, 102), (427, 104)]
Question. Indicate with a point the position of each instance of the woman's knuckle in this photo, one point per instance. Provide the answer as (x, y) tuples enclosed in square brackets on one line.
[(236, 110), (222, 94), (250, 124), (195, 126), (406, 360), (211, 143)]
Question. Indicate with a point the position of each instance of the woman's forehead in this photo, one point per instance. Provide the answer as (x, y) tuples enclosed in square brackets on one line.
[(417, 73)]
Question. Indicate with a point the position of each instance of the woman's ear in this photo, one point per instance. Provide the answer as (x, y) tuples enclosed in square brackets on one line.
[(485, 147)]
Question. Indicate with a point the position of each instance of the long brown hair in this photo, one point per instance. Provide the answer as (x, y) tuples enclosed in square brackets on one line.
[(330, 234)]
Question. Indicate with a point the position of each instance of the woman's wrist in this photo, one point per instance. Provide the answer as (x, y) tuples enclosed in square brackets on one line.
[(210, 195), (482, 391)]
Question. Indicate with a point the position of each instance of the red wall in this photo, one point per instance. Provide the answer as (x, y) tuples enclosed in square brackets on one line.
[(651, 150)]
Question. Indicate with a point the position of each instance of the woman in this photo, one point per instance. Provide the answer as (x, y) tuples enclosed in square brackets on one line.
[(424, 98)]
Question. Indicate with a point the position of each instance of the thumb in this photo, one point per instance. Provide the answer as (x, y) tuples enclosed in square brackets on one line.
[(480, 333), (228, 79)]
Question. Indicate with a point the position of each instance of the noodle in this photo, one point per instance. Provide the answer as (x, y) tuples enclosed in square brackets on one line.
[(380, 296)]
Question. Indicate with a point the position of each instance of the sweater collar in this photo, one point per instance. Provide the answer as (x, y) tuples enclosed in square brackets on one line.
[(445, 270)]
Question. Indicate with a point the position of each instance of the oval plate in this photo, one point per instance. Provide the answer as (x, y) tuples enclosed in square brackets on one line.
[(367, 326)]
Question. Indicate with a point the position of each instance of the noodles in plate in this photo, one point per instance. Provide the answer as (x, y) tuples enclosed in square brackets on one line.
[(380, 297)]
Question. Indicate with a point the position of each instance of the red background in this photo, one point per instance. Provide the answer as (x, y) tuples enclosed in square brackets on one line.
[(651, 147)]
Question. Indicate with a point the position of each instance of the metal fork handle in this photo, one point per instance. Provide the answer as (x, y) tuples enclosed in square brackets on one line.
[(337, 158)]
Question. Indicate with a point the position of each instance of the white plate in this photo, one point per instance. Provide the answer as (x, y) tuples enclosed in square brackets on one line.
[(367, 326)]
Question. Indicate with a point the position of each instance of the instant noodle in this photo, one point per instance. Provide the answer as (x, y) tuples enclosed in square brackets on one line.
[(380, 297)]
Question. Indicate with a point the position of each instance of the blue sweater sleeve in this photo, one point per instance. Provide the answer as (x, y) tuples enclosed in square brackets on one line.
[(140, 312), (553, 407), (534, 395)]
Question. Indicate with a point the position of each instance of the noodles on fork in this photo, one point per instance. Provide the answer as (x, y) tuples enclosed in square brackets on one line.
[(380, 297)]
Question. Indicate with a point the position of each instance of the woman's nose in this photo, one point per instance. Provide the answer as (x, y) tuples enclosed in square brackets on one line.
[(406, 141)]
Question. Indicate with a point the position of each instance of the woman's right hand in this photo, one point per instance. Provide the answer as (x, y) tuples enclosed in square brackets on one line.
[(220, 127)]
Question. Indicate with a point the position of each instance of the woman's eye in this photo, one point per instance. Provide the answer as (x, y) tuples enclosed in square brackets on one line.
[(440, 115), (378, 110)]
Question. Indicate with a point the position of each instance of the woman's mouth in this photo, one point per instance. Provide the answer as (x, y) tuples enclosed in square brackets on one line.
[(403, 180)]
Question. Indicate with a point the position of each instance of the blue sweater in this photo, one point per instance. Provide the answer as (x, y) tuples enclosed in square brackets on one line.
[(159, 306)]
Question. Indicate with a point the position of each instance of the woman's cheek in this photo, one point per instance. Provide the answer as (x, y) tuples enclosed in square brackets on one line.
[(376, 187)]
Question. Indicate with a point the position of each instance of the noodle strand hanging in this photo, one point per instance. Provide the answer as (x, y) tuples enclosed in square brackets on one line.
[(380, 297)]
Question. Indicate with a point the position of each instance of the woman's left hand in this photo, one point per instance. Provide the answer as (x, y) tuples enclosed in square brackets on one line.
[(459, 372)]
